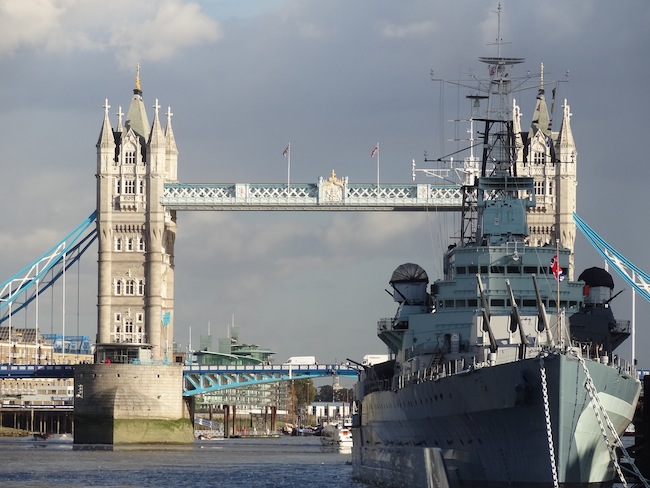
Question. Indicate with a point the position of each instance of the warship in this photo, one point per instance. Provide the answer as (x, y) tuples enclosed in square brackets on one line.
[(502, 372)]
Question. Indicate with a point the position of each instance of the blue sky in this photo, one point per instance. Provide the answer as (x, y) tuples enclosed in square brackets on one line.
[(244, 78)]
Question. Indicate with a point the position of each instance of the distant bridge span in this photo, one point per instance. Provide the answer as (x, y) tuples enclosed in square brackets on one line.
[(202, 379)]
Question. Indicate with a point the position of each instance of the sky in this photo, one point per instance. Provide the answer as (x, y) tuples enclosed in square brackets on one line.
[(246, 77)]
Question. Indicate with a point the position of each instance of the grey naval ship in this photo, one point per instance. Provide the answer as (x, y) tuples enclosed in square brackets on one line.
[(502, 372)]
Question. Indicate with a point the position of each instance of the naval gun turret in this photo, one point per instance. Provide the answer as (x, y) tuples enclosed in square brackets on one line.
[(594, 324)]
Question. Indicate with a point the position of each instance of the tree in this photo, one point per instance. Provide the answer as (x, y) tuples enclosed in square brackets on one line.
[(305, 393), (325, 394)]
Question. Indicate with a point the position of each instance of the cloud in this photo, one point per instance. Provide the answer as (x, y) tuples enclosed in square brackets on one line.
[(149, 30), (413, 29)]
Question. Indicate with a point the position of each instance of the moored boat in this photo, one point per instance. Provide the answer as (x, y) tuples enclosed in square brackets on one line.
[(488, 385), (336, 435)]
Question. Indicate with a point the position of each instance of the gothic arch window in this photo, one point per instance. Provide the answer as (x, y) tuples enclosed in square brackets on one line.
[(141, 244), (129, 288), (550, 188), (141, 187), (129, 244), (141, 287), (118, 244), (118, 287)]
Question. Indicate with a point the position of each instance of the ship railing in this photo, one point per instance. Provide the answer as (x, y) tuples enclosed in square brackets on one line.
[(433, 373), (593, 351)]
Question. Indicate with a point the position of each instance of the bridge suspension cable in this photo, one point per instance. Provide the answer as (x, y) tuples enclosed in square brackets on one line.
[(634, 276), (71, 248)]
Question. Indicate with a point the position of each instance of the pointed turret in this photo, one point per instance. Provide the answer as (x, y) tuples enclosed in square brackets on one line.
[(157, 136), (136, 117), (541, 120), (120, 114), (105, 143), (171, 149), (565, 142)]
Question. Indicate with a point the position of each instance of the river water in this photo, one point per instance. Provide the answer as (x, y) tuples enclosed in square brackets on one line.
[(299, 462)]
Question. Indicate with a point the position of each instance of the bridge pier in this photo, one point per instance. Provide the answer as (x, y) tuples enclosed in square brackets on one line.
[(131, 404)]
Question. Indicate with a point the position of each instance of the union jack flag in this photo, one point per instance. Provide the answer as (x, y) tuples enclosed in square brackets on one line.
[(555, 268)]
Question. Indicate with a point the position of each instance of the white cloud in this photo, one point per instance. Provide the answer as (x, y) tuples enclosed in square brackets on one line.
[(136, 31)]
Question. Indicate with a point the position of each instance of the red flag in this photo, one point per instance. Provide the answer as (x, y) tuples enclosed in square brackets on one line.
[(555, 268), (374, 151), (286, 150)]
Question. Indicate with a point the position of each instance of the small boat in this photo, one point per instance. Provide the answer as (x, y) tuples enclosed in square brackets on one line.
[(336, 435)]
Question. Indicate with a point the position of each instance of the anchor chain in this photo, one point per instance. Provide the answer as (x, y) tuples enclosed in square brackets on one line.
[(547, 415), (601, 414)]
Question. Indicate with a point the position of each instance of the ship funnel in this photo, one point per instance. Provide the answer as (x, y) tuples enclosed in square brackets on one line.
[(410, 282)]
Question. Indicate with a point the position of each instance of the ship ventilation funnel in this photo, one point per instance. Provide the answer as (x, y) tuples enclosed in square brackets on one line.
[(410, 282)]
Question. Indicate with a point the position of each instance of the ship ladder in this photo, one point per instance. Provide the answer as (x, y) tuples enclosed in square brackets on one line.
[(547, 415), (601, 415)]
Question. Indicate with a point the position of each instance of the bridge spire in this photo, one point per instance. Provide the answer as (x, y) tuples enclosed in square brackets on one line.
[(136, 117)]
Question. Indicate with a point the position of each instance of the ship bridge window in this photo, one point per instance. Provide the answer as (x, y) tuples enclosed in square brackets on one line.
[(497, 302), (472, 302), (472, 269), (530, 270), (461, 270), (484, 269), (514, 269), (496, 269), (573, 303), (528, 302), (449, 304), (460, 304), (552, 303)]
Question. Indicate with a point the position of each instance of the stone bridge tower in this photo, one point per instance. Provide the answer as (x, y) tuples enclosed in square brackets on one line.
[(136, 236), (550, 157)]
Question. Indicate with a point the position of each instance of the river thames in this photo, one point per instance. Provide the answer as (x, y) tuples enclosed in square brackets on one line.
[(254, 462)]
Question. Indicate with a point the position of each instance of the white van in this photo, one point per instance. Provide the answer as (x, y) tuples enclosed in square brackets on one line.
[(370, 359), (301, 360)]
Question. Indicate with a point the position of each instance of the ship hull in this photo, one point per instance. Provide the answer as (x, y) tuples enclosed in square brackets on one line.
[(488, 427)]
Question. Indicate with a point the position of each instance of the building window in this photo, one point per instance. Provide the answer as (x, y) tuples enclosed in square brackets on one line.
[(141, 185), (141, 287), (118, 287), (118, 244), (130, 288), (118, 317), (550, 188), (139, 317), (539, 157), (129, 157), (141, 244), (129, 244), (129, 187)]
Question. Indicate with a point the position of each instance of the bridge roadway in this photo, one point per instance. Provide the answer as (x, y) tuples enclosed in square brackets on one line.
[(202, 379)]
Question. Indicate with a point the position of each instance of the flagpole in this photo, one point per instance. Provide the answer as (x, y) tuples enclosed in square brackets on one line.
[(378, 166), (289, 167), (557, 283)]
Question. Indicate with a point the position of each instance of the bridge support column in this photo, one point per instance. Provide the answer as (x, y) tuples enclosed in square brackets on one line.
[(131, 404)]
